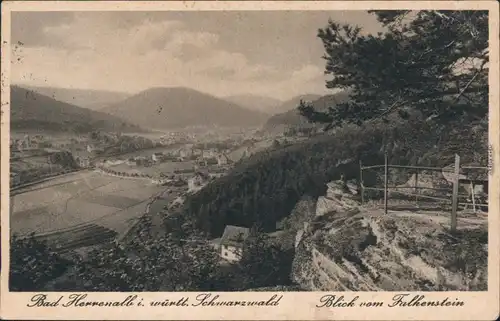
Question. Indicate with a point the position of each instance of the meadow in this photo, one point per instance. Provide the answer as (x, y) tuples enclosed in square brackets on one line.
[(155, 169)]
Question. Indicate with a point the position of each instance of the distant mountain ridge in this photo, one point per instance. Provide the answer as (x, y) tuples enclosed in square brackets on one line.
[(255, 102), (293, 118), (177, 107), (292, 103), (87, 98), (31, 110)]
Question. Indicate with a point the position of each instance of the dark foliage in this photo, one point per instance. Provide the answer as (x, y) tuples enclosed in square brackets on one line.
[(264, 263), (434, 62), (314, 112), (33, 264), (63, 158), (177, 258)]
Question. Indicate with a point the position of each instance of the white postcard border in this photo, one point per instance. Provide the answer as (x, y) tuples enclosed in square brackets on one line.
[(292, 305)]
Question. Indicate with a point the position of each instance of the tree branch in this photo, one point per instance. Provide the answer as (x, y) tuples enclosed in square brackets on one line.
[(396, 104), (470, 81)]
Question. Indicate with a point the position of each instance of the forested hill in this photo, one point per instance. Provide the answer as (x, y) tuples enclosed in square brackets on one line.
[(31, 110), (86, 98), (293, 118), (255, 102), (264, 188), (162, 108), (292, 103)]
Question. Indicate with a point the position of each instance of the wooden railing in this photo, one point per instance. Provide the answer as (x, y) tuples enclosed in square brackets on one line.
[(457, 179)]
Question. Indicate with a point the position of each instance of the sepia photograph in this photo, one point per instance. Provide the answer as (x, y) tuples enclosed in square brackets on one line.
[(278, 151)]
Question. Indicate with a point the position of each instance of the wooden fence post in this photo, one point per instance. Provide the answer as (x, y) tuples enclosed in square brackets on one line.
[(473, 196), (361, 182), (453, 225), (416, 187), (385, 183)]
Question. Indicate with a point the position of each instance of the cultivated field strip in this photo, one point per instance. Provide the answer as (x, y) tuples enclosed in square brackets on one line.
[(110, 200), (81, 236)]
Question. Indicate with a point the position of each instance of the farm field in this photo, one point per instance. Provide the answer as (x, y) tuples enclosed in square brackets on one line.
[(143, 152), (155, 169), (80, 199)]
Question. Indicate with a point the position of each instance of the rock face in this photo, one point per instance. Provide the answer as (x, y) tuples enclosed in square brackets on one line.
[(350, 248), (339, 198)]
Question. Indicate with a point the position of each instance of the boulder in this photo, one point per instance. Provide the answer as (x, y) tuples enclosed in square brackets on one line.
[(339, 197)]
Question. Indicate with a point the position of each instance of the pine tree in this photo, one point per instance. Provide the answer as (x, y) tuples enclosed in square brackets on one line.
[(431, 62)]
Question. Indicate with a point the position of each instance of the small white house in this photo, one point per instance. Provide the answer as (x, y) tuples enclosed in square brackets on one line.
[(197, 182), (197, 152), (185, 152), (93, 149), (209, 153), (179, 201), (222, 160), (83, 162), (157, 157), (231, 242)]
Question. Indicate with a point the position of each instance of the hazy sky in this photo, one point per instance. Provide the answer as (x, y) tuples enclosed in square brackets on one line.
[(272, 53)]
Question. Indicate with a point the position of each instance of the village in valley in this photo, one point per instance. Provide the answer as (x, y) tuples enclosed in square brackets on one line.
[(174, 165)]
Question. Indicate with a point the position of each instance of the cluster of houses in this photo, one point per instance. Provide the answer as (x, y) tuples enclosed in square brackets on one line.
[(201, 157), (94, 149), (139, 161), (27, 142), (84, 158), (176, 137)]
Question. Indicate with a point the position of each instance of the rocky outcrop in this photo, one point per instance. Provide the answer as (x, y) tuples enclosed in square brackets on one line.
[(300, 234), (339, 197), (351, 248)]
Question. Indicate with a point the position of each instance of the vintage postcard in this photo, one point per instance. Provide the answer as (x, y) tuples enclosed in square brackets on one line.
[(250, 160)]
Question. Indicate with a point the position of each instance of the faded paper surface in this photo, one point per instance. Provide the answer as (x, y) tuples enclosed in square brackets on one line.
[(78, 46)]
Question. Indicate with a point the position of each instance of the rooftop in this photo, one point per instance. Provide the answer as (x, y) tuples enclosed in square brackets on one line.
[(81, 154), (234, 235)]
